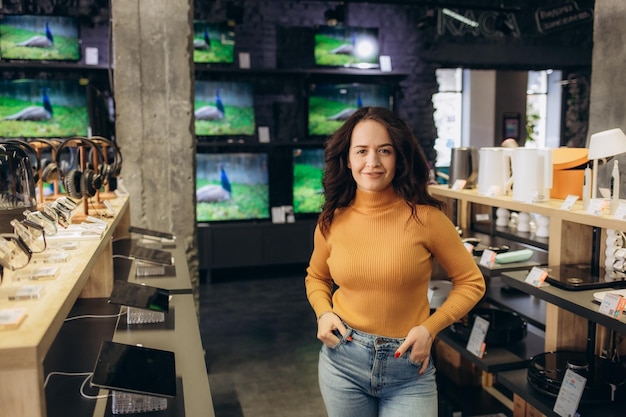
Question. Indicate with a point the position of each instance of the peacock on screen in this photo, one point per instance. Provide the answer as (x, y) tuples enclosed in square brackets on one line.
[(213, 43), (39, 38), (224, 108), (345, 46), (232, 186), (308, 170), (39, 108), (331, 104)]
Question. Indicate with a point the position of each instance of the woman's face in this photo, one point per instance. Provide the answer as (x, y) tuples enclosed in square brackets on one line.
[(371, 158)]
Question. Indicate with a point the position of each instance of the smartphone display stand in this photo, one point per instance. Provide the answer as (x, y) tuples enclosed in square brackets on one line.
[(143, 316), (129, 403), (148, 269)]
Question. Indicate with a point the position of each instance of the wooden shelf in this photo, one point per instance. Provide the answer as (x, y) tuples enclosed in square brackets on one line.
[(89, 274)]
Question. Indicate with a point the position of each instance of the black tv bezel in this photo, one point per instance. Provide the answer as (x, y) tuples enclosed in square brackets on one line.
[(76, 22), (311, 146), (45, 76), (370, 66), (322, 138), (219, 64), (230, 138), (237, 149)]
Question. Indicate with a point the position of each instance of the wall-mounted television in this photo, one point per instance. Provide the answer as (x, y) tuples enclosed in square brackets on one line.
[(213, 43), (346, 46), (308, 170), (224, 108), (232, 186), (331, 104), (39, 38), (43, 108)]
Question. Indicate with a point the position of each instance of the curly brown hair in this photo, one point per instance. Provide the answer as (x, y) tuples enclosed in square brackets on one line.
[(412, 173)]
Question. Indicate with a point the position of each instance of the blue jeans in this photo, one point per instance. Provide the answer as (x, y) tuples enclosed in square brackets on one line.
[(361, 378)]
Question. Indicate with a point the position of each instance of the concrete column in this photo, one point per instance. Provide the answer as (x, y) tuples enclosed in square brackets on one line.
[(153, 90), (608, 91)]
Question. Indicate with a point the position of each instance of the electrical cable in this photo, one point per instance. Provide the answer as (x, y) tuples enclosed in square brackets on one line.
[(94, 316)]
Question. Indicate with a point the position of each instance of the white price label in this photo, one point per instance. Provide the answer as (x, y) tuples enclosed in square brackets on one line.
[(612, 304), (476, 342), (569, 201), (536, 276), (569, 394), (488, 258)]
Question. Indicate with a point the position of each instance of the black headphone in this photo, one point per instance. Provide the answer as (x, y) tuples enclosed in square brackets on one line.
[(109, 150), (79, 183), (49, 167), (35, 163)]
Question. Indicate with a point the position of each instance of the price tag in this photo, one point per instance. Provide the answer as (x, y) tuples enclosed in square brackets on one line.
[(459, 184), (476, 342), (620, 212), (488, 258), (469, 247), (569, 201), (612, 304), (596, 206), (569, 394), (536, 276)]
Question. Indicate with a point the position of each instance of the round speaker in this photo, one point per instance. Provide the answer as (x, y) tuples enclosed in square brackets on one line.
[(505, 327), (605, 379)]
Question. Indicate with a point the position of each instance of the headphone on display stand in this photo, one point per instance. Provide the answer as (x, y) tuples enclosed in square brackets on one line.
[(108, 150), (33, 156), (77, 183)]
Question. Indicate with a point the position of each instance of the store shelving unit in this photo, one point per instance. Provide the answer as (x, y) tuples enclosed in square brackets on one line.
[(569, 315)]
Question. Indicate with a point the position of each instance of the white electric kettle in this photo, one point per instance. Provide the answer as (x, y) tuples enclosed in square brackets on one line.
[(494, 171), (532, 174)]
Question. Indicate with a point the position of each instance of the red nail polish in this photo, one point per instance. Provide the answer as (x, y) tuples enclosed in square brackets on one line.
[(396, 355), (349, 338)]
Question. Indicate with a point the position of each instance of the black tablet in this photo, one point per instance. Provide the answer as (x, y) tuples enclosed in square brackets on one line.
[(140, 296), (135, 369)]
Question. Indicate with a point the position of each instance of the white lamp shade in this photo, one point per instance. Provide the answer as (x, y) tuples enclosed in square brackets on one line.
[(607, 143)]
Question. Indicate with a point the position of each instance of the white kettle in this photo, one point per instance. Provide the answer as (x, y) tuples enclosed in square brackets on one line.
[(532, 174), (494, 171)]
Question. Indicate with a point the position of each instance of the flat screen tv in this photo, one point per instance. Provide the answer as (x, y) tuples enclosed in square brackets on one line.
[(39, 108), (39, 38), (224, 108), (308, 170), (213, 43), (346, 46), (331, 104), (232, 186)]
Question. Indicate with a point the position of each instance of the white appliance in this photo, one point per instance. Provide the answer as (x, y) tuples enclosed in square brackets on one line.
[(532, 174), (494, 171)]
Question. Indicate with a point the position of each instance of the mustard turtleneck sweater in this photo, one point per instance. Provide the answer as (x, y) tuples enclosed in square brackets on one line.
[(381, 261)]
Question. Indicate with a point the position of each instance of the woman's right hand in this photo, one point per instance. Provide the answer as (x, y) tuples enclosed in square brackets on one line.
[(327, 324)]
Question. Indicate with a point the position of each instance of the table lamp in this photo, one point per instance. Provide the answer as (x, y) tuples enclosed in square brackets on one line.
[(603, 145)]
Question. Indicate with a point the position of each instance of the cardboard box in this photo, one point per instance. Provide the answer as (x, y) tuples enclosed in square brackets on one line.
[(532, 411), (519, 406), (568, 171), (455, 367)]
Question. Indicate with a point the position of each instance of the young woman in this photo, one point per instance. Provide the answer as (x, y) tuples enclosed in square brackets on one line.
[(367, 281)]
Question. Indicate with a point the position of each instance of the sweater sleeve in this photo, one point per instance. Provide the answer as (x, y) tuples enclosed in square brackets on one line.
[(318, 282), (468, 282)]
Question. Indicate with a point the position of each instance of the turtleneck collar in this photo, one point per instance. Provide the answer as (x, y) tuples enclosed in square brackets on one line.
[(376, 199)]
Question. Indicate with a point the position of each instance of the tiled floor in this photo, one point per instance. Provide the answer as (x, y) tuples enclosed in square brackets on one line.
[(261, 350), (259, 331)]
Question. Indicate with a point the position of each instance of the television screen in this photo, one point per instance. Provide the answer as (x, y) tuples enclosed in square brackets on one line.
[(31, 108), (231, 186), (345, 46), (224, 108), (331, 104), (44, 38), (308, 169), (213, 43)]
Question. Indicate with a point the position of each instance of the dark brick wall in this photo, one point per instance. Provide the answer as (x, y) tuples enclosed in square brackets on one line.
[(263, 32)]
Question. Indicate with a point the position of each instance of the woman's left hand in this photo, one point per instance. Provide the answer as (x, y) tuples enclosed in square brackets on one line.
[(419, 342)]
